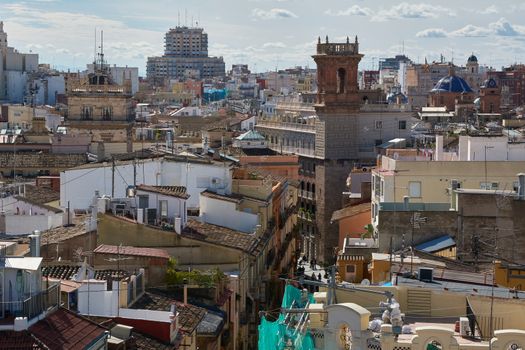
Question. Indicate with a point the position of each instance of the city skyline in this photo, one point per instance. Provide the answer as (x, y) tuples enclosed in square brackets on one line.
[(268, 34)]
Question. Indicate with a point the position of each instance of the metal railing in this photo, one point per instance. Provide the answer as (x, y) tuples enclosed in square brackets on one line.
[(307, 194), (34, 305), (286, 125)]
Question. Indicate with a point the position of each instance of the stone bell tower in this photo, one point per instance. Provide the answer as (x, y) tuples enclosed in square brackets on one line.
[(336, 134), (337, 98), (337, 65)]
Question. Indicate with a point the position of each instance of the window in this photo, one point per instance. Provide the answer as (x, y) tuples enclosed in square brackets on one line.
[(341, 83), (488, 185), (379, 124), (402, 124), (414, 189), (350, 268), (107, 113), (163, 205)]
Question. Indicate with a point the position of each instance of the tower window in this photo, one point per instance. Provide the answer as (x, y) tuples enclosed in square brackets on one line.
[(341, 80)]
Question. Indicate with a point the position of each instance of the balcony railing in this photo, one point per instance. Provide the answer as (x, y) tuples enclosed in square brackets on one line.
[(32, 306), (306, 216), (310, 128), (301, 151), (307, 194), (397, 206)]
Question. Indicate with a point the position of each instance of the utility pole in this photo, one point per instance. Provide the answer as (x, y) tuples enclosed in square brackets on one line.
[(113, 177), (134, 171)]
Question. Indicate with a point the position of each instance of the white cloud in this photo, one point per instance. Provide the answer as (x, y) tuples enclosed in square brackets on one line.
[(432, 33), (72, 35), (412, 11), (471, 30), (274, 13), (355, 10), (504, 28), (274, 45), (501, 27), (491, 10)]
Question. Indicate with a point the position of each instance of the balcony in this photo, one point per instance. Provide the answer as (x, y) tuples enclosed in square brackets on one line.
[(300, 151), (30, 307), (306, 215), (279, 125), (397, 206), (307, 195)]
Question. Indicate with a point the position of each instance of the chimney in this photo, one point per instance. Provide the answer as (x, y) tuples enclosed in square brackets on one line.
[(178, 225), (521, 186), (439, 148), (34, 244)]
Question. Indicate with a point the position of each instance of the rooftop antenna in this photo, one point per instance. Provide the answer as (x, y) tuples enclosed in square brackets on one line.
[(178, 18), (185, 17), (95, 51), (101, 49), (192, 21), (403, 47)]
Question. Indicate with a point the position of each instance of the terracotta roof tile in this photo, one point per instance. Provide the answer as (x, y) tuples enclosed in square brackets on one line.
[(64, 329), (174, 191), (133, 251), (18, 341), (230, 198), (222, 236), (189, 315), (66, 272)]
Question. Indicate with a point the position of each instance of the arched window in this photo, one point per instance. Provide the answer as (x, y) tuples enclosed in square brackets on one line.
[(341, 80)]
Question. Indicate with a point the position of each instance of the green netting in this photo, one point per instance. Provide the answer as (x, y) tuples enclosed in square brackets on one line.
[(275, 335)]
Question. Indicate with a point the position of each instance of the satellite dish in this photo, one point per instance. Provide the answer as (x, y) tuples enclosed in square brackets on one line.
[(396, 155), (365, 282)]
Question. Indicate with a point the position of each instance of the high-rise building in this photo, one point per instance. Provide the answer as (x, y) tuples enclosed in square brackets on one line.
[(15, 68), (185, 55)]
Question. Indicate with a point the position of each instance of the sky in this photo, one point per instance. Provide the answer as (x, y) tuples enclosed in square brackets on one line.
[(268, 34)]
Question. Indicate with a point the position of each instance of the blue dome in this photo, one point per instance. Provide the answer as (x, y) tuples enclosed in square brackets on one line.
[(472, 59), (452, 83)]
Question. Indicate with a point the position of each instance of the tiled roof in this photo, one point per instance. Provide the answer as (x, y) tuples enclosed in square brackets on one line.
[(222, 236), (351, 211), (174, 191), (144, 342), (223, 197), (64, 329), (66, 272), (189, 315), (35, 203), (132, 251), (211, 324), (41, 195), (18, 341)]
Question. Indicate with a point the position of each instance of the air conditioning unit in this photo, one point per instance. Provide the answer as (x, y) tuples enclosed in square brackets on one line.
[(426, 274), (464, 327)]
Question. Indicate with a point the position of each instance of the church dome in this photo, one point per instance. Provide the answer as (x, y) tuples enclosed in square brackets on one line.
[(452, 83), (472, 59), (490, 83)]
